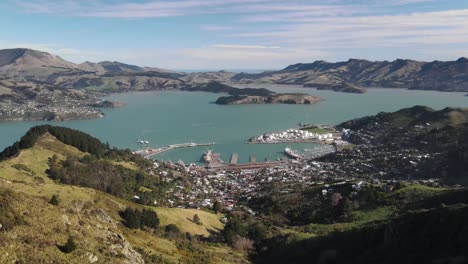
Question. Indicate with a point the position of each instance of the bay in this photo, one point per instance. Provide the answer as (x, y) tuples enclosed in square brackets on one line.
[(170, 117)]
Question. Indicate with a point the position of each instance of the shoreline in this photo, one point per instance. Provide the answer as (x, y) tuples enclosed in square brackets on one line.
[(275, 87), (286, 142)]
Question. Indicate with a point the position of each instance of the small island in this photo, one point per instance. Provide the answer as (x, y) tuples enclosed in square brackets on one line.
[(251, 95)]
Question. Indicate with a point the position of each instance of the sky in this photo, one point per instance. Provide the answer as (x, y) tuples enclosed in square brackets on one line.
[(236, 34)]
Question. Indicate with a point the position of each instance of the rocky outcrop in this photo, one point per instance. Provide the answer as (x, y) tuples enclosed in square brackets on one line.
[(120, 246)]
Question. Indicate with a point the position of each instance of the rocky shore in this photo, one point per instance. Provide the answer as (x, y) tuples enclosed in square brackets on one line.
[(269, 99), (108, 104)]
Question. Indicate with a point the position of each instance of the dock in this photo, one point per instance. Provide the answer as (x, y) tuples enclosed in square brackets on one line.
[(149, 152), (234, 158), (245, 166)]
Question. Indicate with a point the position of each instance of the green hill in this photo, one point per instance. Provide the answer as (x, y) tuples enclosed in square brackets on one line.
[(33, 230)]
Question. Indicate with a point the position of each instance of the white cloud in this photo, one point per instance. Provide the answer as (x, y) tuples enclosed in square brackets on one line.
[(117, 9), (215, 28), (272, 33), (244, 46), (166, 8), (415, 29)]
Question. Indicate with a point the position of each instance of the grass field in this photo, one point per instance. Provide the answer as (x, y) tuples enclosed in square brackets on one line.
[(183, 219), (420, 191), (360, 219)]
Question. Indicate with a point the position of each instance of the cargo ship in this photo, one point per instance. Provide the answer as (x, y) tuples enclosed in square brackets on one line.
[(292, 154)]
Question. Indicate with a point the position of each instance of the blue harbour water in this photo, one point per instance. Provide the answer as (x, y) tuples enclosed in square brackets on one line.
[(171, 117)]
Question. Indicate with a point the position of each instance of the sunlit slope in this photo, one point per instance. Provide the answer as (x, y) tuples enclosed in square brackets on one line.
[(88, 215)]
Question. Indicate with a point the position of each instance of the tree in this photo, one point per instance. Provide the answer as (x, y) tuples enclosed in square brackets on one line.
[(132, 217), (258, 232), (172, 231), (196, 219), (54, 200), (68, 247), (345, 209), (218, 206), (234, 227), (171, 228), (149, 218)]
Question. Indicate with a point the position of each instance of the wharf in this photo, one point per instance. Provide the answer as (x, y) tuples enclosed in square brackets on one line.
[(149, 152), (246, 166), (234, 158)]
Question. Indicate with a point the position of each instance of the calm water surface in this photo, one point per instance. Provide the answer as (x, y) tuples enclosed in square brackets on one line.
[(175, 117)]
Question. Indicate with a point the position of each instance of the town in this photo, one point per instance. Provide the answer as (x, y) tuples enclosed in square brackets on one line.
[(45, 104), (359, 166)]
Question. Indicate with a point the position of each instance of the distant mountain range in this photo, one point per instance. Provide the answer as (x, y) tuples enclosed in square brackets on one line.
[(349, 76), (436, 75)]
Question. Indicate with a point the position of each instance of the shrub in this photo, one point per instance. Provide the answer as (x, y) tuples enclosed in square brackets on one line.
[(68, 247), (258, 232), (172, 231), (196, 219), (22, 167), (218, 207), (132, 217), (135, 218), (149, 218), (242, 243), (54, 200), (172, 228), (8, 216)]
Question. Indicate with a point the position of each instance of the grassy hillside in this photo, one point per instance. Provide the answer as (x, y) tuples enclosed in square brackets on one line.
[(183, 219), (33, 228)]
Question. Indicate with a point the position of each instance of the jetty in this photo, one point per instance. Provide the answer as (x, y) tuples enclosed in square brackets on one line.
[(234, 158), (149, 152)]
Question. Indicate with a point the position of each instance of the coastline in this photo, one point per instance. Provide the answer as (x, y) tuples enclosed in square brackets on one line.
[(279, 88)]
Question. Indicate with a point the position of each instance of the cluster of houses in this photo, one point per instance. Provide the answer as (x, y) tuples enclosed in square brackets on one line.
[(48, 105)]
